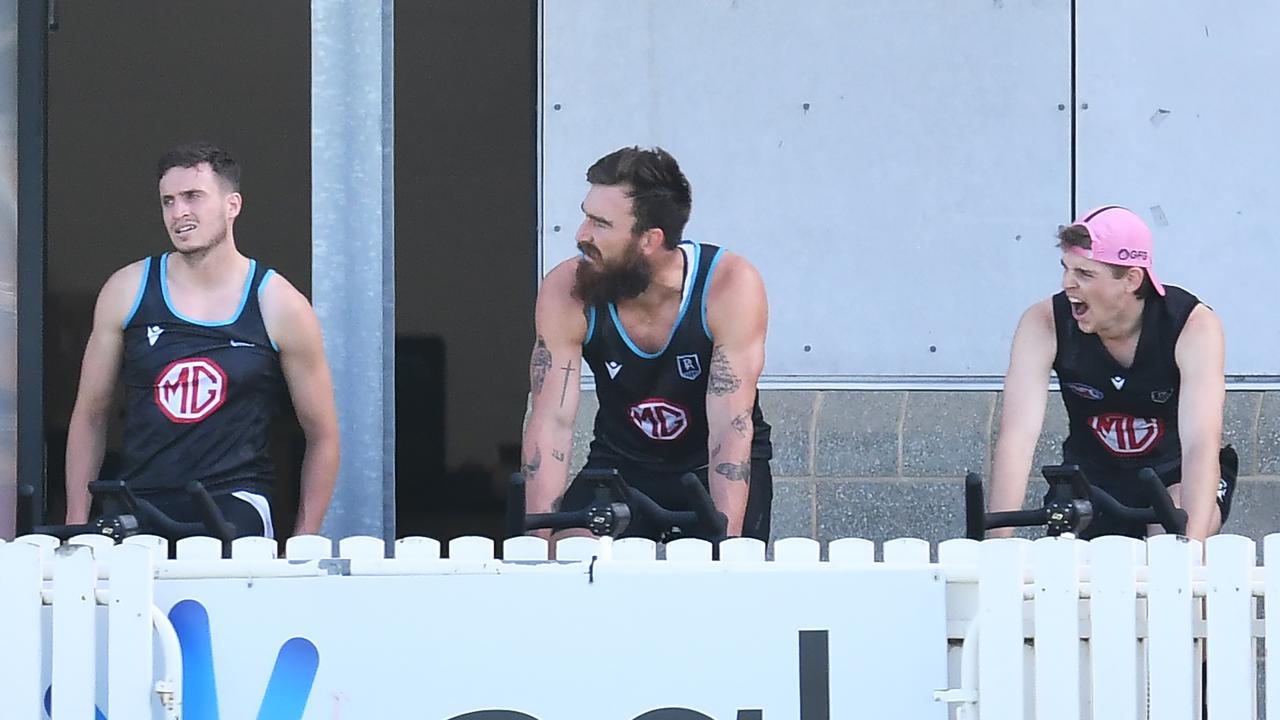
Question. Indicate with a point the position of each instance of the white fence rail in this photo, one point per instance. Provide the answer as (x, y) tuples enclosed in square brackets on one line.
[(1055, 629)]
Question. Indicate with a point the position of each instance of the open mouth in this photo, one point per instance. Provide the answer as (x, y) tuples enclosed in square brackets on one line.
[(1078, 308), (183, 229)]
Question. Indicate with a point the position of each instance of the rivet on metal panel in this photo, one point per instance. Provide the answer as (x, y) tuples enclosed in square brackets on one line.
[(556, 106), (1084, 106), (807, 348), (933, 348), (555, 228), (805, 107), (1062, 106)]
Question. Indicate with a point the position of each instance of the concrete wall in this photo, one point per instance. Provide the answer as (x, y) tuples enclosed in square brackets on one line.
[(886, 464)]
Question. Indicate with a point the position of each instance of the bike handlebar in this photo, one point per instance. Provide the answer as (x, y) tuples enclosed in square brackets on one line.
[(132, 515), (615, 506), (1073, 514)]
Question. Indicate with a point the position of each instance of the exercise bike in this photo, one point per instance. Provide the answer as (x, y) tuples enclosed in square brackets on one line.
[(615, 506), (124, 515), (1070, 503)]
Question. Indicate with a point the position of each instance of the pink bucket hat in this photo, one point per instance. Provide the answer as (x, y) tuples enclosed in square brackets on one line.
[(1119, 237)]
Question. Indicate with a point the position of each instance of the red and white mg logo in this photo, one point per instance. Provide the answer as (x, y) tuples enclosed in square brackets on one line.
[(189, 390), (1126, 435), (660, 419)]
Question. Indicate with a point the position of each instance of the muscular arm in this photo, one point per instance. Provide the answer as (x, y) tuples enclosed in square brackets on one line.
[(555, 370), (293, 325), (1023, 401), (737, 316), (87, 434), (1199, 354)]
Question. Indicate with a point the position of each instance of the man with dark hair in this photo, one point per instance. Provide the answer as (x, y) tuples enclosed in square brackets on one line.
[(207, 341), (674, 333), (1140, 365)]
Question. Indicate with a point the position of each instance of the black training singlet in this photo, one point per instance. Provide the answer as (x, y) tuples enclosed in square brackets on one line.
[(199, 396), (1123, 419), (653, 406)]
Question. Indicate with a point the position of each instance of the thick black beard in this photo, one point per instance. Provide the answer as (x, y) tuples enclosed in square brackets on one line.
[(595, 286)]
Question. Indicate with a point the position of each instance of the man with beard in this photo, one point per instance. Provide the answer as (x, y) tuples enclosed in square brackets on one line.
[(674, 333), (207, 341), (1140, 366)]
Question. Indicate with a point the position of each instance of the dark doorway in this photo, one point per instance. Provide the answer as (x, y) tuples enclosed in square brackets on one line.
[(465, 257)]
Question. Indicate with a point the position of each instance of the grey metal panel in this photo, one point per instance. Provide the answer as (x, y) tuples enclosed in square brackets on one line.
[(1180, 125), (353, 250), (8, 263), (896, 170)]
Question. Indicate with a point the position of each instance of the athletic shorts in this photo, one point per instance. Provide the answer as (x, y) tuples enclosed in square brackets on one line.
[(249, 513), (666, 490)]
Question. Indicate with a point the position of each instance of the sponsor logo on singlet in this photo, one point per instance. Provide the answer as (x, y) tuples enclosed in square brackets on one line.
[(688, 366), (659, 419), (1087, 392), (191, 389), (1126, 435)]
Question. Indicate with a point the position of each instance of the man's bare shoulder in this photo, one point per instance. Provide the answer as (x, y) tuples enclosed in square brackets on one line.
[(120, 291), (559, 314), (734, 281)]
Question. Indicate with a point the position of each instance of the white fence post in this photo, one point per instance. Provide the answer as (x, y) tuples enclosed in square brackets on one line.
[(1113, 631), (1057, 628), (130, 659), (22, 658), (74, 639), (1171, 659), (1271, 604), (1002, 694), (1229, 628)]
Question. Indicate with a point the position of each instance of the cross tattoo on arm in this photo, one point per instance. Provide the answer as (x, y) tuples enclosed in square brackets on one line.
[(568, 368)]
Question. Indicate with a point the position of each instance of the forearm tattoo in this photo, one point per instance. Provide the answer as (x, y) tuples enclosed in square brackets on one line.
[(559, 456), (530, 468), (723, 380), (735, 472), (568, 369), (742, 423), (539, 364)]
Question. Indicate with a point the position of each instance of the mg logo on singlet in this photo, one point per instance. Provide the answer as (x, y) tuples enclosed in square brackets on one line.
[(1126, 435), (189, 390), (660, 419)]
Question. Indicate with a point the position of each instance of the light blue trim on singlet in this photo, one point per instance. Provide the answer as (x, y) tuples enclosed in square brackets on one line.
[(265, 277), (706, 286), (142, 290), (591, 325), (684, 306), (164, 290)]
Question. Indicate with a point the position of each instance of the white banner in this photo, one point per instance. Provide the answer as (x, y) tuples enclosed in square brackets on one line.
[(617, 641)]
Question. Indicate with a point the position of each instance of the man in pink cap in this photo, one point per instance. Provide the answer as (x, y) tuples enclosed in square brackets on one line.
[(1140, 365)]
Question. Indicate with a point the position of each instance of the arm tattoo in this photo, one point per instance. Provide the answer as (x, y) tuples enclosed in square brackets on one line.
[(717, 450), (723, 381), (559, 456), (539, 364), (530, 468), (742, 423), (736, 472), (568, 368)]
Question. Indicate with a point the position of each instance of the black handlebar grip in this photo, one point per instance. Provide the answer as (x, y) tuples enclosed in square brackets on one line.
[(700, 500), (1174, 519), (214, 521), (515, 505), (975, 512)]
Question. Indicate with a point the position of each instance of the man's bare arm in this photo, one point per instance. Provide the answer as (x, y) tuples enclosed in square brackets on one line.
[(555, 371), (99, 372), (1200, 357), (1024, 399), (737, 316), (293, 325)]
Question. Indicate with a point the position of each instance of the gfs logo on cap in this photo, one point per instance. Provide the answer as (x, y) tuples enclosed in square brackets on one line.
[(1127, 254)]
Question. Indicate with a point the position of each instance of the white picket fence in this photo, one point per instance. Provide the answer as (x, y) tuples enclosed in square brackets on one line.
[(1052, 629)]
